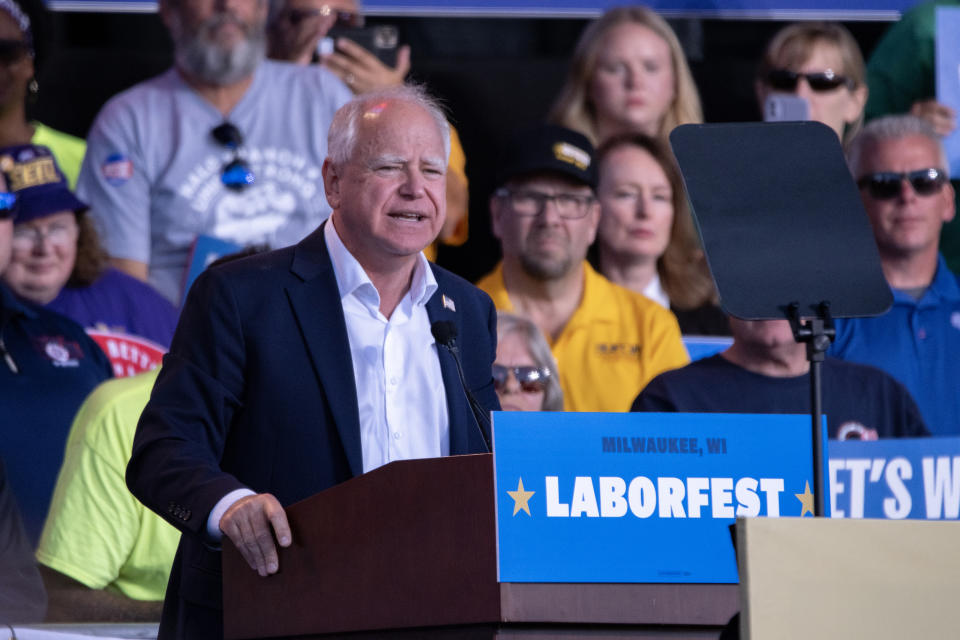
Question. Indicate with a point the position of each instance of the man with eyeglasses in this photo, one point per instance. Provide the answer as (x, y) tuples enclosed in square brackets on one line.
[(901, 169), (225, 145), (608, 341)]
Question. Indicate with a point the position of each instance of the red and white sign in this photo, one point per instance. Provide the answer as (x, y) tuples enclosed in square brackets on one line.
[(128, 354)]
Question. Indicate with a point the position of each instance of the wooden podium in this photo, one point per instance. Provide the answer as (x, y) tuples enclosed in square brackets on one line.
[(413, 546)]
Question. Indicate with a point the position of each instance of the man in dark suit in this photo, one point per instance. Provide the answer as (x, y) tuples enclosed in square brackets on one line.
[(298, 369)]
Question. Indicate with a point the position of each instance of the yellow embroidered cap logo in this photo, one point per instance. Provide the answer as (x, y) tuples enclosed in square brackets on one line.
[(566, 152), (32, 173)]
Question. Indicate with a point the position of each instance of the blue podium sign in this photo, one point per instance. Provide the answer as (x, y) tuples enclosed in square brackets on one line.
[(640, 497), (917, 478)]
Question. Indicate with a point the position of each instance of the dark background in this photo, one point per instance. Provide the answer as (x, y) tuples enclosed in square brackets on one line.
[(494, 74)]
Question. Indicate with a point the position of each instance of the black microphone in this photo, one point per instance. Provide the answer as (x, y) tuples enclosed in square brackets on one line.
[(445, 333)]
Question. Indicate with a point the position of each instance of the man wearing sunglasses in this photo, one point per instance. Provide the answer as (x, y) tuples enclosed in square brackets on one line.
[(608, 341), (226, 144), (901, 169)]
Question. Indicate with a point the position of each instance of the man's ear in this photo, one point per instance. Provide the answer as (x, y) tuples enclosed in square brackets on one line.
[(496, 213), (167, 12), (950, 203), (331, 183)]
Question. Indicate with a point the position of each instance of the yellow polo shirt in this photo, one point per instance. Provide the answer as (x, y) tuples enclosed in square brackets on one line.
[(613, 345)]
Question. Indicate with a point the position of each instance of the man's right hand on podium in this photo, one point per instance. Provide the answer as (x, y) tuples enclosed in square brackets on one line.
[(253, 523)]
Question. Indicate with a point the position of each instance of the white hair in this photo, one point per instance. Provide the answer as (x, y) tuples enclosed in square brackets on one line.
[(540, 351), (342, 137), (893, 128)]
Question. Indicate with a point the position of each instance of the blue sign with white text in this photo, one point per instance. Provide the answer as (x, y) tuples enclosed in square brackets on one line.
[(640, 497), (917, 478)]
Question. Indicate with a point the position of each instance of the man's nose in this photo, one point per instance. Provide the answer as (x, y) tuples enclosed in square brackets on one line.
[(414, 184), (511, 385)]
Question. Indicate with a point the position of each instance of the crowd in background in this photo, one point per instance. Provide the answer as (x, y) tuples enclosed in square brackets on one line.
[(602, 273)]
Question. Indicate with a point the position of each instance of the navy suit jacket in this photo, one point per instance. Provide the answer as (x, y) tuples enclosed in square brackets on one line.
[(258, 391)]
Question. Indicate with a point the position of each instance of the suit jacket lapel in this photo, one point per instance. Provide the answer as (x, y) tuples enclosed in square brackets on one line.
[(463, 436), (319, 313)]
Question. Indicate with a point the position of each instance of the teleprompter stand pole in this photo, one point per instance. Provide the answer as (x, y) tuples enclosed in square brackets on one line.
[(816, 333)]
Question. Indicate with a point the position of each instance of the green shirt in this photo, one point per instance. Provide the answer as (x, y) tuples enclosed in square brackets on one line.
[(67, 150), (96, 532)]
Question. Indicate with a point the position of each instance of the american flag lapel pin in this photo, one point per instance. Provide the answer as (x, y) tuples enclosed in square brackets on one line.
[(448, 303)]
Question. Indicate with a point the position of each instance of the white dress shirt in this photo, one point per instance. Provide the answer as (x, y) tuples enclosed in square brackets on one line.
[(400, 392), (654, 291)]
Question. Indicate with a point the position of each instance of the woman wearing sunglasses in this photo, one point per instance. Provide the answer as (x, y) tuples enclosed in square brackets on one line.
[(646, 241), (628, 73), (821, 63), (525, 373)]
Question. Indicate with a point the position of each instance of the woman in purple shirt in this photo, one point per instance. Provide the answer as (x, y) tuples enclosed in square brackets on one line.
[(57, 261)]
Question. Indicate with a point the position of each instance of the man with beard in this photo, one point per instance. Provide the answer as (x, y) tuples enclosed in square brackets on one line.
[(225, 145), (608, 341)]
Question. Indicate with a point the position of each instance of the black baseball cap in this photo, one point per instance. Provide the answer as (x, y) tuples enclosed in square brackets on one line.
[(548, 148)]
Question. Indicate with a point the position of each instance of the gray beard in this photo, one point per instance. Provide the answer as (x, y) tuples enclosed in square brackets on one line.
[(545, 270), (211, 64)]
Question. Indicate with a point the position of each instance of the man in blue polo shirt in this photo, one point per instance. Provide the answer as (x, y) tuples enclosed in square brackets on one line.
[(48, 365), (901, 169)]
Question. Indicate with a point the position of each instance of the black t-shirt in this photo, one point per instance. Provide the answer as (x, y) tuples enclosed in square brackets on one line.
[(853, 394)]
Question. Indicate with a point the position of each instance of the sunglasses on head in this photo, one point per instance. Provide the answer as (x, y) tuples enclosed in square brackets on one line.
[(786, 80), (12, 50), (236, 174), (886, 185), (530, 379)]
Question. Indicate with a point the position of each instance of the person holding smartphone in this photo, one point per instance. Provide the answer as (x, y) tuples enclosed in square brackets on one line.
[(331, 33), (820, 63)]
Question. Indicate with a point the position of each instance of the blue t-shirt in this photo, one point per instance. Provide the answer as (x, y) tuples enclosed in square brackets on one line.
[(918, 343), (120, 303), (855, 397), (47, 368)]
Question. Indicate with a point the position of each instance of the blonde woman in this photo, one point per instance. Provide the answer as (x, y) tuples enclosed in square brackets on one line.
[(628, 74)]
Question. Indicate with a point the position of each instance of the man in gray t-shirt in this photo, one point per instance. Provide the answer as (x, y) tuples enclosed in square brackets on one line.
[(157, 176)]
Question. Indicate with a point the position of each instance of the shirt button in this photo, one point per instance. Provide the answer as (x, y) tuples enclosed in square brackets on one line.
[(394, 380), (397, 435), (922, 334)]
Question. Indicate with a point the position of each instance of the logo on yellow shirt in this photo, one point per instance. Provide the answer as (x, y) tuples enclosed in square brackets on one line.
[(618, 349)]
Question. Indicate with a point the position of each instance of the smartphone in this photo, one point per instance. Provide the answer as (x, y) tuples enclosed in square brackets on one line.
[(782, 107), (381, 40)]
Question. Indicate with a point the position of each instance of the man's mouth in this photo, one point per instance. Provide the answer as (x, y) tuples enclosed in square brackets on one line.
[(407, 216)]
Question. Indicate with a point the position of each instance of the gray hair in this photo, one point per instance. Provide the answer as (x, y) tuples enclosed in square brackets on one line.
[(342, 137), (542, 357), (893, 128)]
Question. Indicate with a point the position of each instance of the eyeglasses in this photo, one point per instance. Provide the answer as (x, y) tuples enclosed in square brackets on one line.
[(530, 379), (12, 50), (786, 80), (236, 174), (886, 185), (59, 234), (569, 206)]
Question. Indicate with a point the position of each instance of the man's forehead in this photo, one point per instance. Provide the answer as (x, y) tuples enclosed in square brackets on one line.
[(386, 124)]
